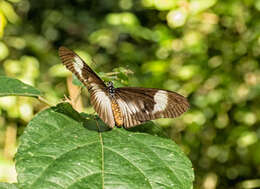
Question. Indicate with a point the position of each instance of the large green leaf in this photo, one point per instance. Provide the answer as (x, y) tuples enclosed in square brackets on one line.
[(60, 149), (14, 87), (8, 186)]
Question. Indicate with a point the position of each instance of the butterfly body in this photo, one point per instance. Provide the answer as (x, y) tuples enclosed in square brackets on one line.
[(124, 106), (111, 89), (117, 113), (118, 117)]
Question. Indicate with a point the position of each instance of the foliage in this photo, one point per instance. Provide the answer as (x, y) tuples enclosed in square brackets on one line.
[(8, 186), (207, 50), (14, 87)]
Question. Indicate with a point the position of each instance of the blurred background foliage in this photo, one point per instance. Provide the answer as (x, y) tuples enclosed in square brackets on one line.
[(207, 50)]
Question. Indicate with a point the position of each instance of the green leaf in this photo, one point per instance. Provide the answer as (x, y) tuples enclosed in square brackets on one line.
[(8, 186), (14, 87), (77, 82), (62, 149)]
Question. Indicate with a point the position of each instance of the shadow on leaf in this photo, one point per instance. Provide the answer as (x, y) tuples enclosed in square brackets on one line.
[(94, 123), (91, 122)]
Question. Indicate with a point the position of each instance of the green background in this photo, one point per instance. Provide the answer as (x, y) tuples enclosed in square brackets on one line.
[(207, 50)]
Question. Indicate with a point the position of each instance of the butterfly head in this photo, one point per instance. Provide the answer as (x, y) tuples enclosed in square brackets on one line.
[(110, 84), (110, 87)]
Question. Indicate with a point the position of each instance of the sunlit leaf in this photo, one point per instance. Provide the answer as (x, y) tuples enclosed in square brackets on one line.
[(125, 18), (59, 70), (14, 87), (165, 4), (4, 51), (200, 5), (8, 186), (9, 12), (177, 18), (2, 23)]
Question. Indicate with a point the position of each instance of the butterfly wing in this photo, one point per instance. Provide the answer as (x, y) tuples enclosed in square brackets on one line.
[(142, 104), (96, 87)]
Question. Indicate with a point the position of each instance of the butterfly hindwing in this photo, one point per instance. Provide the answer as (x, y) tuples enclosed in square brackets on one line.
[(98, 95), (142, 104)]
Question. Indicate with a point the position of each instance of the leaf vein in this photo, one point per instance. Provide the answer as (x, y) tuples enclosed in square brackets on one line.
[(81, 178), (102, 159), (150, 149), (132, 164), (62, 154)]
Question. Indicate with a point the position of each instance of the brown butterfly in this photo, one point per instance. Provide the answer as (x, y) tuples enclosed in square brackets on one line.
[(124, 106)]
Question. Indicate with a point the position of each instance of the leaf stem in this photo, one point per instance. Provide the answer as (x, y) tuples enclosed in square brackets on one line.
[(43, 100)]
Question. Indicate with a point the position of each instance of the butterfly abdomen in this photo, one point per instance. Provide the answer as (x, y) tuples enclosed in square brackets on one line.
[(117, 113)]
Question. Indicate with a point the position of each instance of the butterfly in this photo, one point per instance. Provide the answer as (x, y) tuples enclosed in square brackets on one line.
[(124, 106)]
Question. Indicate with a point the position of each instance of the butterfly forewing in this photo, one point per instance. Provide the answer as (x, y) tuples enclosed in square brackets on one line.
[(98, 95), (142, 104)]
